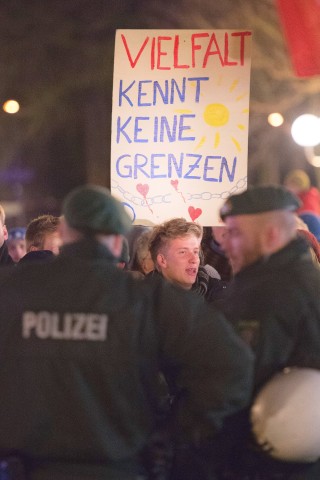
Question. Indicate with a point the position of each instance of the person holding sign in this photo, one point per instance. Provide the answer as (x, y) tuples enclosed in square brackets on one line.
[(82, 345)]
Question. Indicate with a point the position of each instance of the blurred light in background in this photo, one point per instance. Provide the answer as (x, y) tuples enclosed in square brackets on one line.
[(312, 156), (275, 119), (11, 106), (305, 130)]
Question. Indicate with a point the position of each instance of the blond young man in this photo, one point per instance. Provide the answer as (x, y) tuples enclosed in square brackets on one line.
[(175, 250)]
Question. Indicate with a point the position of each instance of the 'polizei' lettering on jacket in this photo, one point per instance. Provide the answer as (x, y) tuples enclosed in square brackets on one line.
[(68, 326)]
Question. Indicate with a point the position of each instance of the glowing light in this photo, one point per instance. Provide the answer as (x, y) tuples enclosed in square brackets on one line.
[(305, 130), (275, 119), (11, 106), (315, 161), (312, 157)]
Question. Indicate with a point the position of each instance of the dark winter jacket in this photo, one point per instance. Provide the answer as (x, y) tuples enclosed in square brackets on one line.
[(275, 305), (81, 344), (206, 286), (5, 258)]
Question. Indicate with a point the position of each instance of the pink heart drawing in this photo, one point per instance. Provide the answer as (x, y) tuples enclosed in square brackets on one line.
[(143, 189), (194, 213), (174, 183)]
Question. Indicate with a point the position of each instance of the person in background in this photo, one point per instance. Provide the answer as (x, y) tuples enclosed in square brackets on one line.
[(5, 258), (304, 232), (143, 262), (298, 182), (82, 352), (132, 237), (274, 304), (313, 244), (213, 253), (175, 250), (124, 259), (313, 223), (43, 239), (17, 243)]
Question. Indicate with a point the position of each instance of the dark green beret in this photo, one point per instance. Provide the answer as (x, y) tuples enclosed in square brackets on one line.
[(92, 208), (258, 200)]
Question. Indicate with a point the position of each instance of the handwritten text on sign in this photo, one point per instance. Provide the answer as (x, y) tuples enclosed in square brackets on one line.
[(180, 121)]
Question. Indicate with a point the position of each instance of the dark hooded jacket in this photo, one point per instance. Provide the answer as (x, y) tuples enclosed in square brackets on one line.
[(81, 347)]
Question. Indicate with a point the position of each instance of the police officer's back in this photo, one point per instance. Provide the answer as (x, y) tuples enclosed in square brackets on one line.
[(81, 346)]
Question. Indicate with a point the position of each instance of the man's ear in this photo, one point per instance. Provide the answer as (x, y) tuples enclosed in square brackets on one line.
[(112, 242), (5, 232), (161, 260), (270, 238), (117, 242)]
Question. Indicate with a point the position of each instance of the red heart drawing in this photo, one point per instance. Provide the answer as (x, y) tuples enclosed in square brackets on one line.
[(143, 189), (174, 183), (194, 213)]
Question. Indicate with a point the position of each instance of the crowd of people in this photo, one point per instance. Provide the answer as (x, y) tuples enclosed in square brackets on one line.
[(132, 352)]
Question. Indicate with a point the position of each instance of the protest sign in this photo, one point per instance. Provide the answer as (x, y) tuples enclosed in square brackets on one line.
[(179, 122)]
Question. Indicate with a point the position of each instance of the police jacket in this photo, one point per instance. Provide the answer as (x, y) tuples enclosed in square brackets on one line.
[(275, 305), (81, 345)]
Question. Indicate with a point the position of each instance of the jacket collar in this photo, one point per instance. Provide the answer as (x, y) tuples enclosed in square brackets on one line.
[(294, 250), (88, 249)]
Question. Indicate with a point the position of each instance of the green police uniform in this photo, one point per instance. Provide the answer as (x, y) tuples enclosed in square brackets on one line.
[(274, 303), (81, 345)]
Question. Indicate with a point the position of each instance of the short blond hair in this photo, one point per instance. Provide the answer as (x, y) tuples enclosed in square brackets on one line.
[(38, 228), (2, 215), (174, 228)]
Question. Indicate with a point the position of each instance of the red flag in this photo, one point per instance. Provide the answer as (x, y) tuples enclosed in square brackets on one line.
[(301, 24)]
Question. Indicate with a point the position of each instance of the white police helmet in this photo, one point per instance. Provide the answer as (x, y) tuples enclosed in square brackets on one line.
[(285, 415)]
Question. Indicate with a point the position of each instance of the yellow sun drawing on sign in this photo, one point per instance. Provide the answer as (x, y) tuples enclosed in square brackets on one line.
[(224, 115), (216, 114)]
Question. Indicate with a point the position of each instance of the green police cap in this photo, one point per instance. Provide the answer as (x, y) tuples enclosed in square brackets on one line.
[(258, 200), (92, 208)]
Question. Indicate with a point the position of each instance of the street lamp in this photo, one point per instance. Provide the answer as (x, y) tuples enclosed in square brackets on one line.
[(305, 130), (11, 106), (275, 119)]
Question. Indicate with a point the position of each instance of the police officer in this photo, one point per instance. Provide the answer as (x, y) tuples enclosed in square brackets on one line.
[(82, 344), (274, 302)]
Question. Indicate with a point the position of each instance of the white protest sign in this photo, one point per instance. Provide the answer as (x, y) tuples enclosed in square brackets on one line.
[(179, 122)]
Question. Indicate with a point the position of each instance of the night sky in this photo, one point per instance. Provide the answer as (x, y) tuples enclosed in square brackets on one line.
[(57, 61)]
